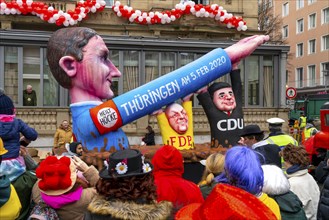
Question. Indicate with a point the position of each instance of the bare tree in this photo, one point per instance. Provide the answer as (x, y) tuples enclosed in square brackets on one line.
[(268, 22)]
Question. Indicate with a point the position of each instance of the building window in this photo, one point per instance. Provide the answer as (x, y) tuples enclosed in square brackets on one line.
[(300, 26), (324, 73), (253, 80), (11, 73), (268, 87), (285, 31), (299, 82), (311, 75), (311, 1), (285, 9), (151, 66), (168, 62), (311, 46), (325, 42), (299, 50), (325, 16), (299, 4), (312, 21), (109, 3), (51, 87), (203, 2), (130, 70)]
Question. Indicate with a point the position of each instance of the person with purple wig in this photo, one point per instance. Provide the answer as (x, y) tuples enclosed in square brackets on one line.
[(242, 169)]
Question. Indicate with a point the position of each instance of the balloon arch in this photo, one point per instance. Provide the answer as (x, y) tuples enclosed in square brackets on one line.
[(71, 17)]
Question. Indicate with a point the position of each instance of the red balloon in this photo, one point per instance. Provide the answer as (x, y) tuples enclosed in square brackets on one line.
[(75, 16), (58, 23)]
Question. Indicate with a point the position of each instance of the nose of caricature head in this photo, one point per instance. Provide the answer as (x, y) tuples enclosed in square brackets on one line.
[(114, 70)]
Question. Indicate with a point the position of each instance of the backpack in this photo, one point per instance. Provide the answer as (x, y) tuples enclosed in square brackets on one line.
[(42, 211)]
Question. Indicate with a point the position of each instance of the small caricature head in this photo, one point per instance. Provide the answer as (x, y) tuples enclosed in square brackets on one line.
[(177, 117), (222, 96)]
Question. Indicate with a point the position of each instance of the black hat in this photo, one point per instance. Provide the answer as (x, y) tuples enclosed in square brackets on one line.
[(6, 104), (251, 130), (73, 146), (124, 163), (216, 86)]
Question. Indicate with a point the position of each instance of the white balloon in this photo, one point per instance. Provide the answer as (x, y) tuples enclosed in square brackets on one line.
[(151, 14), (119, 14), (3, 5), (192, 10), (160, 15), (93, 9), (229, 15), (55, 16), (13, 11), (213, 6), (51, 20), (244, 27), (50, 8), (173, 18), (116, 9), (29, 2), (198, 13), (83, 15), (239, 28), (148, 19), (67, 16), (140, 19), (241, 23), (97, 5), (71, 22), (138, 12), (7, 11), (117, 3), (222, 18), (220, 8), (131, 19), (133, 16), (202, 10), (211, 15), (144, 15), (80, 17), (163, 21), (60, 12), (19, 2), (82, 9), (66, 23), (103, 3)]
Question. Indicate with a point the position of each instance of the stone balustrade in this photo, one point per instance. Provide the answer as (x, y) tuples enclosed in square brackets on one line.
[(47, 120)]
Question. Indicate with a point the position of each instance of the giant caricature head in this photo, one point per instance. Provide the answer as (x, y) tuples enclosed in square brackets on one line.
[(78, 59), (177, 118), (222, 96)]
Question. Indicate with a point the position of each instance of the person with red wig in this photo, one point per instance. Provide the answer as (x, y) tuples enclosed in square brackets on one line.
[(60, 187), (168, 171)]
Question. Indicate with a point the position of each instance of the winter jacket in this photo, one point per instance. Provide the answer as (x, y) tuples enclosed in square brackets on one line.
[(291, 208), (168, 170), (149, 138), (62, 136), (73, 210), (323, 209), (10, 205), (307, 190), (101, 209), (10, 133)]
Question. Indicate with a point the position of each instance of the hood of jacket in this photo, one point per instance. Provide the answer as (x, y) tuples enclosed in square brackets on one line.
[(289, 203), (129, 209), (309, 125)]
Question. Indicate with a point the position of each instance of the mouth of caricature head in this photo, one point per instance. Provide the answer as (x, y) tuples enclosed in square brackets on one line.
[(110, 82), (228, 103)]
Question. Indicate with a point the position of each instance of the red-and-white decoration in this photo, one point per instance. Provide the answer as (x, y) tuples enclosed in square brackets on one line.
[(71, 17), (189, 7), (50, 14)]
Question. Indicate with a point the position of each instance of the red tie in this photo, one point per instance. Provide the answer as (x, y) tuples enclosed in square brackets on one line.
[(228, 113)]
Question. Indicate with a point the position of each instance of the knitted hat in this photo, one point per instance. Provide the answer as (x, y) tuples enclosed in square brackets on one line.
[(6, 104), (124, 163), (227, 202), (73, 146), (2, 148), (216, 86), (56, 175), (168, 158)]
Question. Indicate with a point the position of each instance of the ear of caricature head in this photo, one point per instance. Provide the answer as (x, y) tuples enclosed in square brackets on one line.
[(68, 64)]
